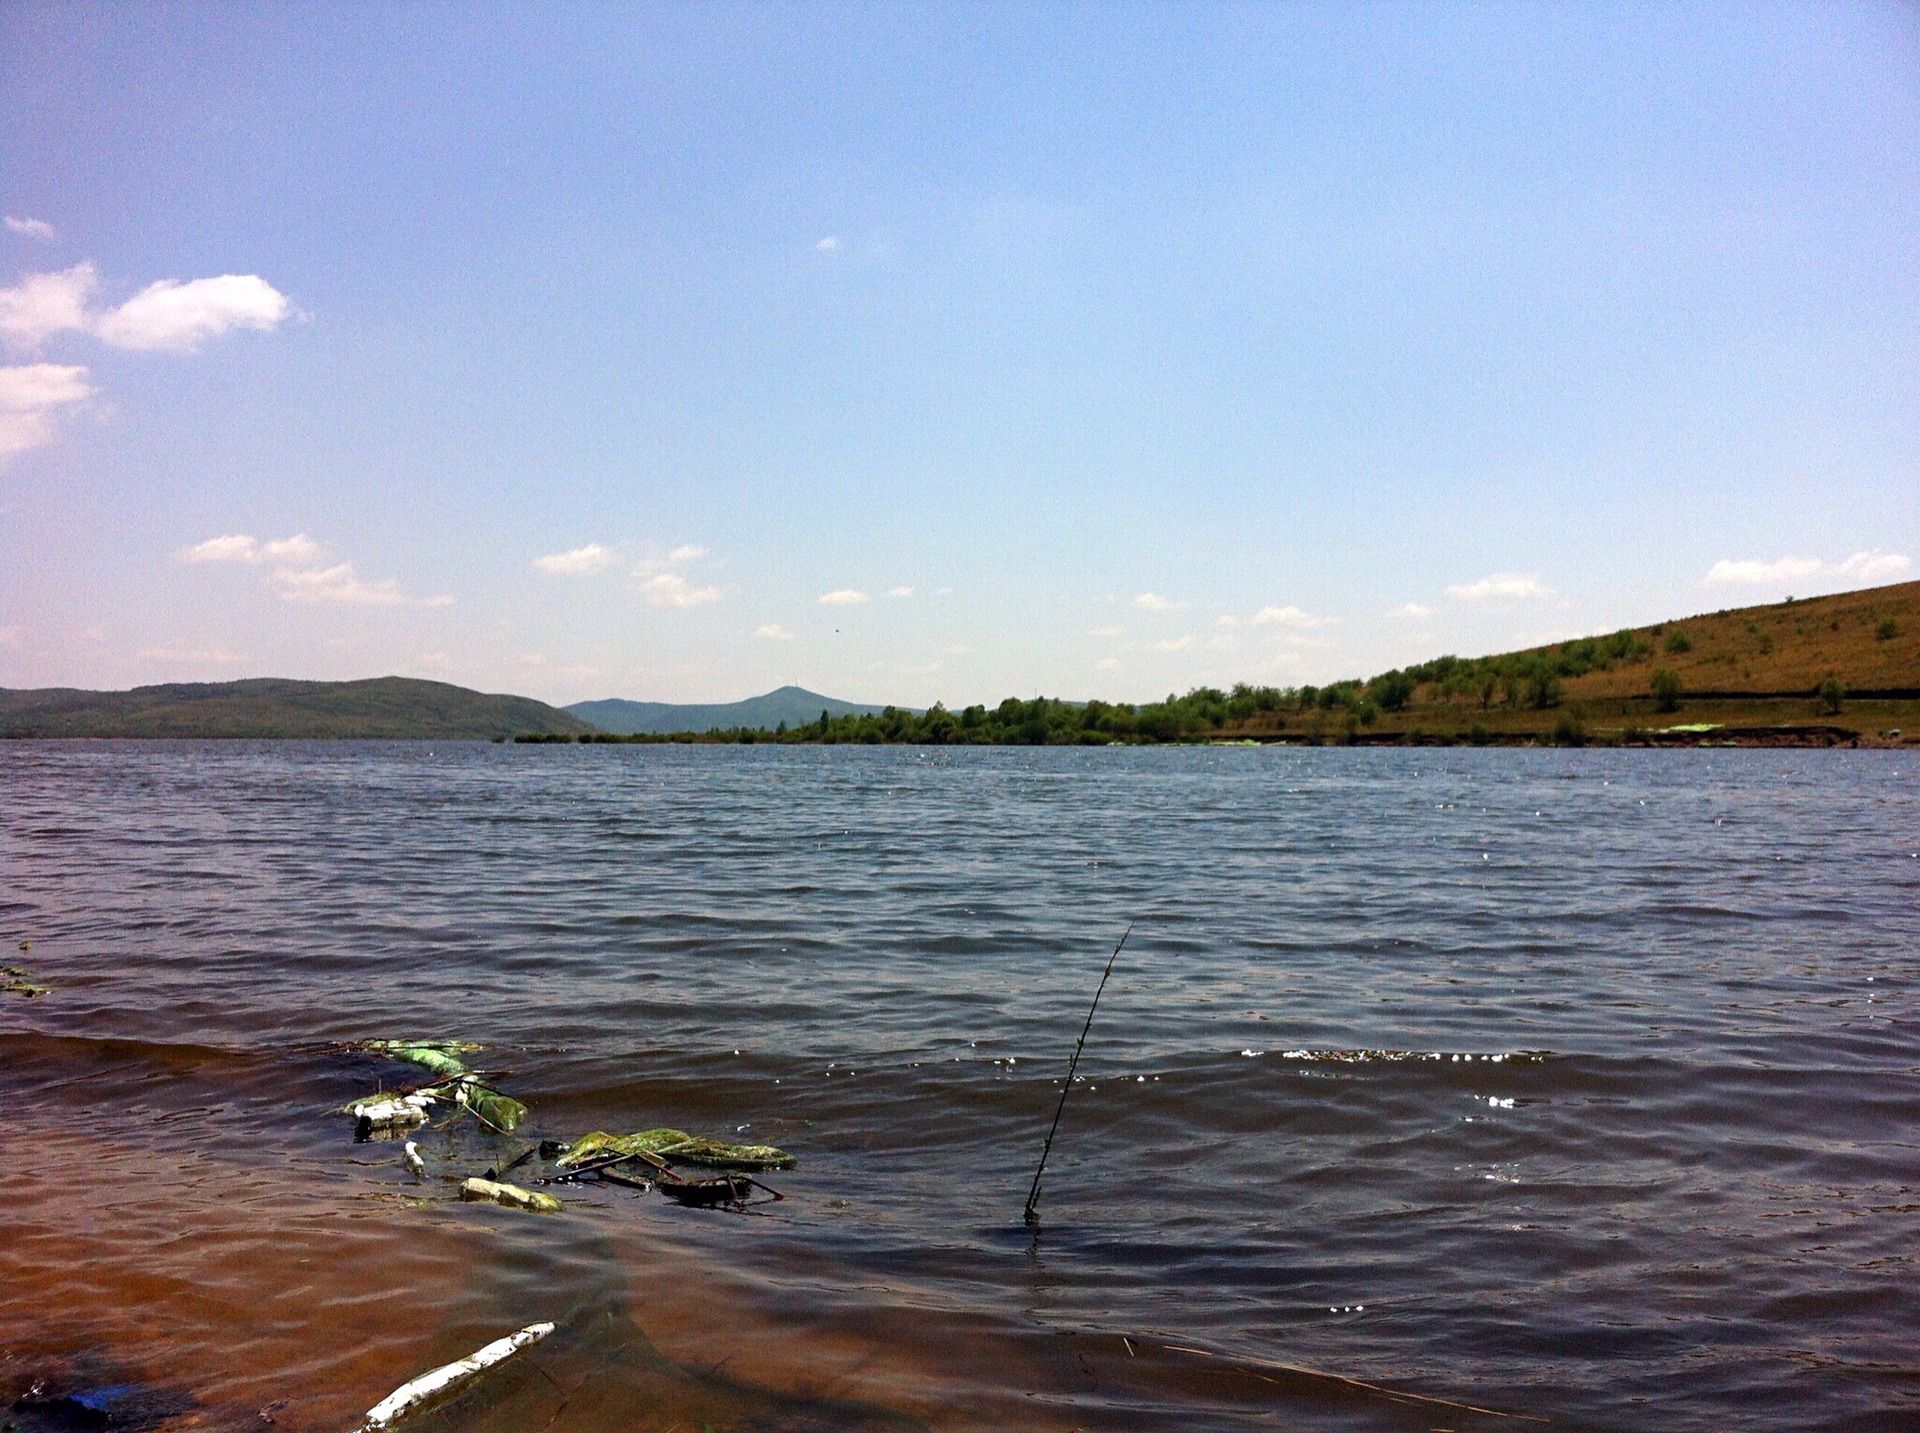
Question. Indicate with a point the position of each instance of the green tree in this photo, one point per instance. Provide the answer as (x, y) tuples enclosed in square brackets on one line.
[(1393, 690), (1832, 694), (1887, 630), (1678, 641), (1666, 688)]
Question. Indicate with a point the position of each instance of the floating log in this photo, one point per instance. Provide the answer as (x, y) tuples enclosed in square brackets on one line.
[(511, 1195), (430, 1388)]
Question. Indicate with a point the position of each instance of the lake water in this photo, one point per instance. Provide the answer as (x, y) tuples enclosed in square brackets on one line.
[(1581, 1089)]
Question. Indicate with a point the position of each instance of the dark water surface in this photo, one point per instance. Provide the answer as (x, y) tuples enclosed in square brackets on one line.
[(1583, 1086)]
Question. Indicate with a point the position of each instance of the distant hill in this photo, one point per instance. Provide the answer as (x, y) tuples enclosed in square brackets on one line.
[(393, 707), (792, 705)]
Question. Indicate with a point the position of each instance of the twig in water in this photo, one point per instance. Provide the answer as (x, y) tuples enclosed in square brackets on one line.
[(1033, 1194)]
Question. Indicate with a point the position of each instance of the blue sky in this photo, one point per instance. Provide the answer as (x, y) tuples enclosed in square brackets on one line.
[(1089, 350)]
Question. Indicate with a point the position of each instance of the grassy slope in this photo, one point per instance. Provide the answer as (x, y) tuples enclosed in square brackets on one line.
[(271, 707), (1768, 660)]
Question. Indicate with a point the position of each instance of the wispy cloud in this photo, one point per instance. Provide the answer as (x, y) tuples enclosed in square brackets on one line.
[(1500, 587), (32, 395), (1866, 568), (670, 589), (1413, 612), (1154, 602), (899, 592), (1107, 664), (198, 657), (296, 576), (337, 585), (773, 632), (1106, 632), (166, 315), (828, 244), (240, 547), (1288, 616), (575, 561), (32, 228), (844, 597), (1173, 644), (687, 552)]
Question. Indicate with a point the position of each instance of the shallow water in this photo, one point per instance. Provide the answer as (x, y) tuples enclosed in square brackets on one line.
[(1575, 1086)]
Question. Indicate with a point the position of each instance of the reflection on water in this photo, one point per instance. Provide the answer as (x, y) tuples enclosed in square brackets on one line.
[(1577, 1086)]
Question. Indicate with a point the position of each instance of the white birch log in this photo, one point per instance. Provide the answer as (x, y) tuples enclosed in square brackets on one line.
[(511, 1195), (429, 1387)]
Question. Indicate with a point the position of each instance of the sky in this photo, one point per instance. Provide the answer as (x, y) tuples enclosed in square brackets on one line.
[(939, 352)]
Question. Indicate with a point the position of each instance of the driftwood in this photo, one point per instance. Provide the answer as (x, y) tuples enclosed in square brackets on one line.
[(511, 1195), (430, 1388)]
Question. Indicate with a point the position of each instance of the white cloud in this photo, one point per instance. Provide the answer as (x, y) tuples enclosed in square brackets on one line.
[(1500, 587), (338, 585), (1153, 602), (41, 305), (670, 589), (1288, 616), (1413, 611), (687, 552), (1107, 664), (844, 597), (1226, 619), (32, 228), (180, 317), (899, 592), (575, 561), (294, 551), (13, 638), (207, 657), (1223, 642), (1107, 632), (1173, 644), (31, 394), (434, 661), (296, 578), (828, 244), (1876, 566), (1750, 573), (773, 632), (165, 315), (1865, 568)]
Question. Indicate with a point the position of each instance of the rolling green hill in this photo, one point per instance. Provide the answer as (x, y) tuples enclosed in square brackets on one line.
[(393, 707), (791, 705)]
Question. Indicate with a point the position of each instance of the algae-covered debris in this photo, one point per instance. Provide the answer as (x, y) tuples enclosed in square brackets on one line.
[(458, 1083), (17, 982), (391, 1111), (678, 1144), (440, 1057), (511, 1195), (493, 1109)]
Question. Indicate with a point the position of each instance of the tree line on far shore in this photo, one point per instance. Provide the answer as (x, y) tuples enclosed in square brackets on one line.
[(1520, 680)]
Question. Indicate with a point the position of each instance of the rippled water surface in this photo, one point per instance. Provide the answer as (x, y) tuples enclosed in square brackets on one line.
[(1433, 1089)]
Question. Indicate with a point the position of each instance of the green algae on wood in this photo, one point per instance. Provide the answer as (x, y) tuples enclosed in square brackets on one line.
[(678, 1144), (18, 982), (439, 1057), (493, 1109)]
